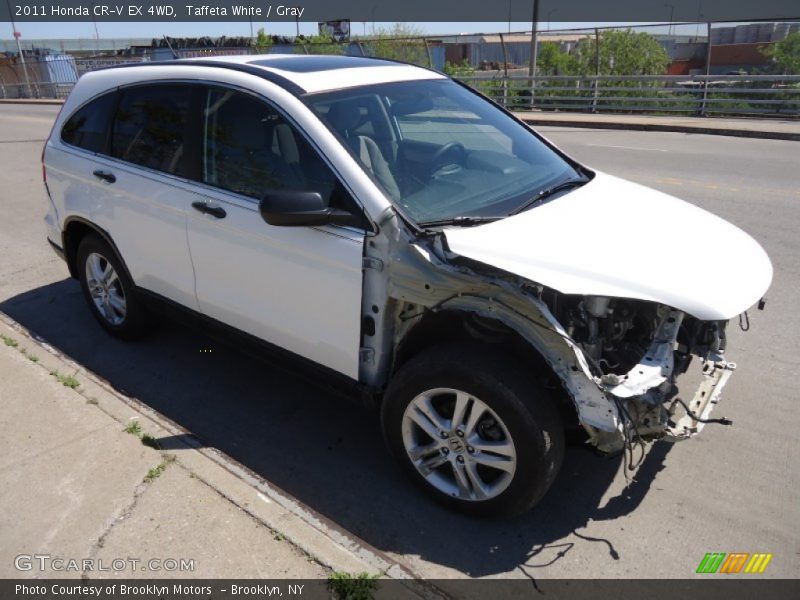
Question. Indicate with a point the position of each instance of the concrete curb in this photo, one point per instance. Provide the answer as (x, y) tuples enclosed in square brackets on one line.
[(34, 101), (746, 133), (313, 534)]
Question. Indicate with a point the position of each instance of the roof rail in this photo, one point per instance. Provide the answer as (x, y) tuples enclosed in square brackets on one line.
[(270, 76)]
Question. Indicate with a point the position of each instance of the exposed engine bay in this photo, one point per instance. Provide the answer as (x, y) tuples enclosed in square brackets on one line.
[(636, 350)]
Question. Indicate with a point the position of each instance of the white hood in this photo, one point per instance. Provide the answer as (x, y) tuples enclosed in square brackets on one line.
[(615, 238)]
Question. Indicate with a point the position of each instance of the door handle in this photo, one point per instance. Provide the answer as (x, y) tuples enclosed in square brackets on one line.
[(214, 211), (105, 176)]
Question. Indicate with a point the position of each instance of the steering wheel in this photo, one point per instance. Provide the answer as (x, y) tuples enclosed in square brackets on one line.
[(451, 147)]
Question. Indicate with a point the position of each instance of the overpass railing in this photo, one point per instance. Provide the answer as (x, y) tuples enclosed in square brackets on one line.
[(756, 95), (762, 95)]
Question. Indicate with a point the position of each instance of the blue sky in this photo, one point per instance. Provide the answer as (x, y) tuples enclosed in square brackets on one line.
[(149, 30)]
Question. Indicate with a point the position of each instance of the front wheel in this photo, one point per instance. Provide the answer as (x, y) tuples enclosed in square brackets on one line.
[(473, 430)]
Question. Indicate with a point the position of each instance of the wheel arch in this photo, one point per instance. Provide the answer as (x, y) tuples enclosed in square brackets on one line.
[(75, 230), (455, 325)]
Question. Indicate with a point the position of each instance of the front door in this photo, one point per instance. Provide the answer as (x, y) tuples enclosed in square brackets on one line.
[(296, 287)]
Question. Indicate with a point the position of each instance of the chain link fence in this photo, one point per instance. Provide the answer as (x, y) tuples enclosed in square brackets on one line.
[(577, 70)]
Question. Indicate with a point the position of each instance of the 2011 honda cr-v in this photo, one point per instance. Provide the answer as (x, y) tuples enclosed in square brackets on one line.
[(410, 238)]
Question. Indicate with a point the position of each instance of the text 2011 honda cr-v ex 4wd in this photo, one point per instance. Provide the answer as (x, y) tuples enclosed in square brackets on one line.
[(403, 233)]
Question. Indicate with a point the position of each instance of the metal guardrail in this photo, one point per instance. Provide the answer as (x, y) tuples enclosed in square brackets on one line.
[(757, 95), (49, 76), (764, 95)]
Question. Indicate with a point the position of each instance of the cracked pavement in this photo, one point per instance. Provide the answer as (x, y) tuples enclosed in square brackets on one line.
[(74, 488)]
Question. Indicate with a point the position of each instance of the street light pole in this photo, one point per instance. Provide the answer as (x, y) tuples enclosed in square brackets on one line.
[(532, 64), (549, 16), (671, 16), (19, 48)]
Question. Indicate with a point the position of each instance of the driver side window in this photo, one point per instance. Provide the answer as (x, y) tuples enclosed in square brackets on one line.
[(249, 148)]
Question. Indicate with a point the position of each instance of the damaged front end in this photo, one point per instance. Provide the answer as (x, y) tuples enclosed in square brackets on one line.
[(617, 359), (636, 350)]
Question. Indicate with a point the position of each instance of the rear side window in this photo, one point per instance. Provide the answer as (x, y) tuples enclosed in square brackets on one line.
[(88, 128), (149, 127)]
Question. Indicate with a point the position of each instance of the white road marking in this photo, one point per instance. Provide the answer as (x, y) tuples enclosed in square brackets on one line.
[(627, 147)]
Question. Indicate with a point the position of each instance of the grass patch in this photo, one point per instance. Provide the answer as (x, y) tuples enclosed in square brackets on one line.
[(149, 440), (9, 341), (92, 400), (66, 380), (156, 471), (32, 358), (346, 586), (133, 428)]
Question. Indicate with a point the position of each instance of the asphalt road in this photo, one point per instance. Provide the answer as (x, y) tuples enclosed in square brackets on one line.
[(733, 489)]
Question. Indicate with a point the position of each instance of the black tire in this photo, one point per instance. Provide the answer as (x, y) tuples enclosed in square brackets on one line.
[(525, 409), (136, 318)]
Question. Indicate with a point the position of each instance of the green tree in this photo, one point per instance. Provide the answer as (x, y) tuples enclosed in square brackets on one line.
[(263, 42), (463, 69), (401, 42), (321, 44), (623, 52), (551, 60), (785, 54)]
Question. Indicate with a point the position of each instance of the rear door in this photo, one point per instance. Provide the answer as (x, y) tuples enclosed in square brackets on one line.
[(296, 287), (123, 163)]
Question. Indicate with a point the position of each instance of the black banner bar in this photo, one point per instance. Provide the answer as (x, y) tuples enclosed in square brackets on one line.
[(260, 11), (707, 587)]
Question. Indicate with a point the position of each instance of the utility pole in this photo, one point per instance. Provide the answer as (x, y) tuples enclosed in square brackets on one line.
[(96, 32), (532, 64), (19, 48), (704, 103)]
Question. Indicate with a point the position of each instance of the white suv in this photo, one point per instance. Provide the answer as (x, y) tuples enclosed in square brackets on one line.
[(413, 240)]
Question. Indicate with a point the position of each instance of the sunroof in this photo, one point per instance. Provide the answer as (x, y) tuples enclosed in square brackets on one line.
[(310, 64)]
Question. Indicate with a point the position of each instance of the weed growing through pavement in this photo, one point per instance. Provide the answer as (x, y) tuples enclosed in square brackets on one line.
[(346, 586), (156, 471), (9, 341), (133, 428), (66, 380)]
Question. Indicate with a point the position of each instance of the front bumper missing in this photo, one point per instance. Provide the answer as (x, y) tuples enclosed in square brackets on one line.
[(652, 421), (681, 425)]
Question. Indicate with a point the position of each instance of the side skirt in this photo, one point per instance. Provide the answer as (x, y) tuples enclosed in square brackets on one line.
[(321, 376)]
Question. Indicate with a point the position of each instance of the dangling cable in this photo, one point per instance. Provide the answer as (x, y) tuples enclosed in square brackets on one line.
[(744, 321), (721, 420)]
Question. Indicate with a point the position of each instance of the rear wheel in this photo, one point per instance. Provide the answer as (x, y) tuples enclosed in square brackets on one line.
[(472, 430), (108, 289)]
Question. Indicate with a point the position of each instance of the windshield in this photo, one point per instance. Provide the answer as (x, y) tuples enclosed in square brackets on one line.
[(440, 152)]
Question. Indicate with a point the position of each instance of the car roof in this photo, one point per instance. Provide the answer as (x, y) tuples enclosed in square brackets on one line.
[(318, 73)]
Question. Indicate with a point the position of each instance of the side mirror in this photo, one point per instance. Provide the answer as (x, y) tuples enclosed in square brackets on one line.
[(301, 209)]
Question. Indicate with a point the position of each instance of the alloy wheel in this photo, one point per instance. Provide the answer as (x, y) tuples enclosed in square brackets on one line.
[(105, 289), (459, 444)]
